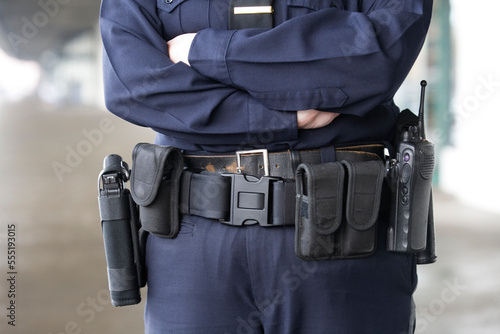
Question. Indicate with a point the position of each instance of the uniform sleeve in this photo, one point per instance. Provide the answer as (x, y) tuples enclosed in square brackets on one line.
[(341, 60), (144, 87)]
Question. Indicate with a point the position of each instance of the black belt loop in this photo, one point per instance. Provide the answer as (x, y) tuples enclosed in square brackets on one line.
[(283, 203), (185, 191), (328, 154), (295, 160)]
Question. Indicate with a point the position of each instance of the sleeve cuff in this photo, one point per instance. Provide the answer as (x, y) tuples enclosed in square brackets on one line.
[(207, 54)]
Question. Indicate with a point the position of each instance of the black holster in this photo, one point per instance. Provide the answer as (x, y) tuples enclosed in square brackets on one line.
[(411, 224), (121, 234)]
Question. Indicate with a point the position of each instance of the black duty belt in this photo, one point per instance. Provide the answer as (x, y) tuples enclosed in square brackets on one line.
[(255, 186), (280, 164)]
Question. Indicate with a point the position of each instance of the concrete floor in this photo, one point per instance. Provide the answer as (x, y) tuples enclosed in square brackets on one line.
[(61, 286)]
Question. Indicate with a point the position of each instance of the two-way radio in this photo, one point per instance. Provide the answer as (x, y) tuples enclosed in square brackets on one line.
[(410, 178)]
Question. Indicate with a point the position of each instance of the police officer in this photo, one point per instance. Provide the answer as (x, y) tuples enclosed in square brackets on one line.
[(316, 74)]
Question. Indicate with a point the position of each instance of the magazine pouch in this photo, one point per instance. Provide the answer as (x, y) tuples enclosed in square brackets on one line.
[(364, 190), (319, 205), (337, 207)]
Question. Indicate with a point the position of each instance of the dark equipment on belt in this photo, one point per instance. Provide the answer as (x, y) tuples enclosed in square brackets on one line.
[(154, 187), (410, 174), (337, 209), (331, 195), (120, 230)]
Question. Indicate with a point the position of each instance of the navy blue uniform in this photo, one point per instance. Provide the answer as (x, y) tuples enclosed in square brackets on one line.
[(242, 90)]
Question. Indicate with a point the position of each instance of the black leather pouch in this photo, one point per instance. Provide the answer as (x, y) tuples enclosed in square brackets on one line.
[(337, 209), (250, 14), (154, 185)]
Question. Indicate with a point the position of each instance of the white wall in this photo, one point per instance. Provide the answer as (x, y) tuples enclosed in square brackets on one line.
[(470, 167), (75, 76)]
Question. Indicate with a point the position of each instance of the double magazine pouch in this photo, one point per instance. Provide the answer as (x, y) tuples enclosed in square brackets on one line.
[(329, 228), (154, 185)]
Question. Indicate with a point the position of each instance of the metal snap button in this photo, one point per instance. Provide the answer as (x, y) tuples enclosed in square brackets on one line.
[(169, 1)]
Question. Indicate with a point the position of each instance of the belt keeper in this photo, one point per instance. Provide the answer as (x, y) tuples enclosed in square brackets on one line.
[(185, 190), (328, 154)]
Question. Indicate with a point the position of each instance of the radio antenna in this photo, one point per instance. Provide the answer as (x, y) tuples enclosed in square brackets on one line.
[(421, 126)]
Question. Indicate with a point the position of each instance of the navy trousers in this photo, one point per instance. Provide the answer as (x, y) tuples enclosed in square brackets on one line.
[(215, 278)]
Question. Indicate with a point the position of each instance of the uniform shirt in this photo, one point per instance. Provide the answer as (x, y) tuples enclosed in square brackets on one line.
[(244, 86)]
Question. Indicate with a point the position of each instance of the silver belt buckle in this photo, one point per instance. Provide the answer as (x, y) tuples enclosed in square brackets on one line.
[(265, 156)]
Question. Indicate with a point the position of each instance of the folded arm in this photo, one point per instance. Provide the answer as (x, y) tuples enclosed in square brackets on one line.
[(345, 60), (178, 49)]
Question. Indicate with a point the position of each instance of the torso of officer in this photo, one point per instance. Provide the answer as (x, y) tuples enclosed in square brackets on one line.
[(243, 87)]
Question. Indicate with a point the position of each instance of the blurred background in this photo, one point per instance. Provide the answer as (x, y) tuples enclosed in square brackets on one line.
[(55, 131)]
